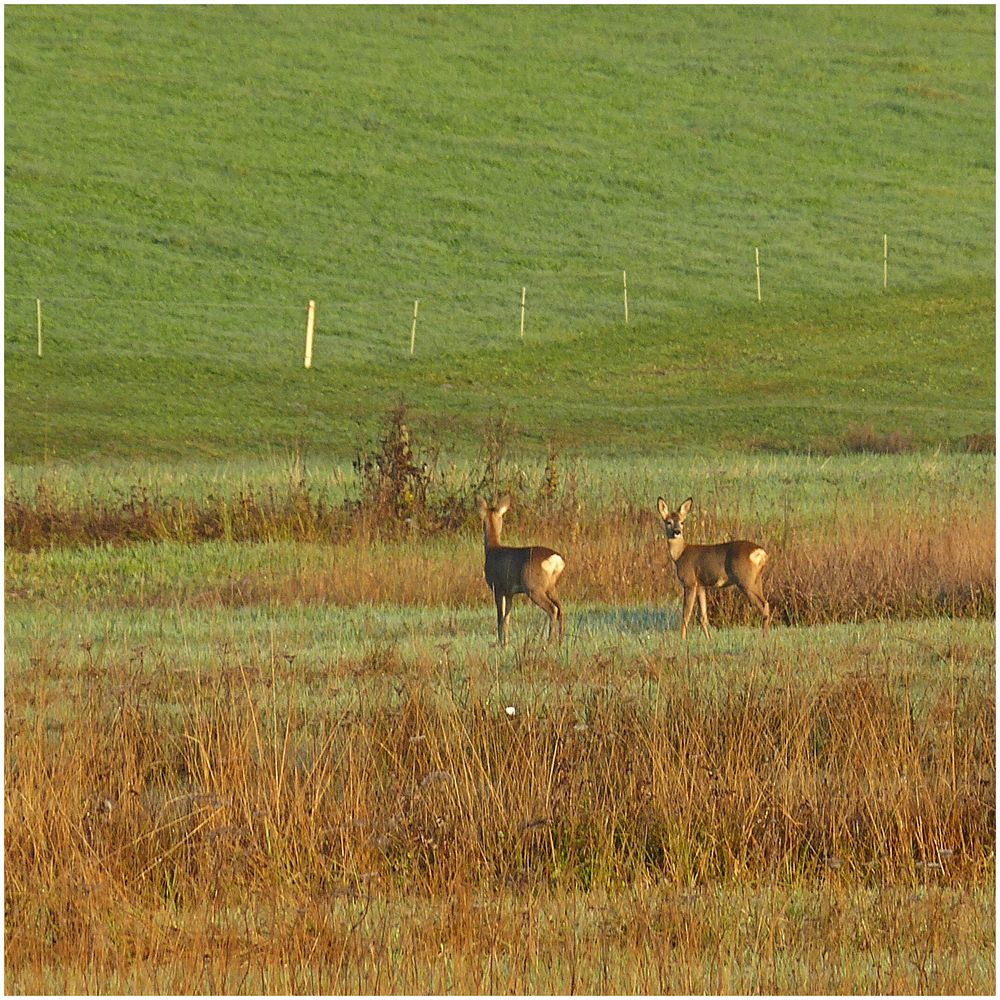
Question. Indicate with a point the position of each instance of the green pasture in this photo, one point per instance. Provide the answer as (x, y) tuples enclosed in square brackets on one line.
[(181, 181)]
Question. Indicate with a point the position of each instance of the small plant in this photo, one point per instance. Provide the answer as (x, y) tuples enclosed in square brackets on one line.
[(497, 435), (549, 487), (395, 482)]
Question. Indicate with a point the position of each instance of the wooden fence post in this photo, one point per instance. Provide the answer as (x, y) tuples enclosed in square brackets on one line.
[(756, 253), (38, 323), (524, 291), (413, 329), (885, 261), (625, 292), (310, 324)]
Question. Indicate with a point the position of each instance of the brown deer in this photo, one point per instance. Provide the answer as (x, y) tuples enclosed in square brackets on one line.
[(702, 566), (532, 570)]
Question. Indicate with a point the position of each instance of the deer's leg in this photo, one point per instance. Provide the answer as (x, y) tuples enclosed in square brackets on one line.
[(547, 605), (765, 607), (562, 617), (755, 595), (703, 608), (503, 613), (690, 593), (508, 607)]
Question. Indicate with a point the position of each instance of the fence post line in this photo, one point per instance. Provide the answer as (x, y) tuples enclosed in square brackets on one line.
[(310, 325), (524, 290), (38, 323), (625, 292), (756, 253), (885, 261), (413, 329)]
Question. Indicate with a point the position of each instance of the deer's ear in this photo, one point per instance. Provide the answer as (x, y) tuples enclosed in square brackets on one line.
[(663, 507), (685, 508), (504, 505), (484, 508)]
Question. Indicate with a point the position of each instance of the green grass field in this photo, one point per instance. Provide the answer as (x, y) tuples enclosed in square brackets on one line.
[(259, 737), (180, 182)]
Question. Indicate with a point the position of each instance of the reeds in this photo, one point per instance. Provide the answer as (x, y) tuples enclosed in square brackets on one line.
[(210, 833), (885, 565)]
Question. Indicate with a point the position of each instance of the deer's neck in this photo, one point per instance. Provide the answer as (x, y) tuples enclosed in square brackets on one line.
[(676, 546), (491, 536)]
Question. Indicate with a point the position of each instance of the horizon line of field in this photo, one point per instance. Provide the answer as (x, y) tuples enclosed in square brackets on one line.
[(311, 306)]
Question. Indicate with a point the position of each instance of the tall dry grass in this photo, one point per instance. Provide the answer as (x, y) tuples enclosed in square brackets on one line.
[(849, 564), (842, 570), (175, 834)]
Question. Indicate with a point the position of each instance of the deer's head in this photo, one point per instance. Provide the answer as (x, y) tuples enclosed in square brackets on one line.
[(492, 517), (673, 520)]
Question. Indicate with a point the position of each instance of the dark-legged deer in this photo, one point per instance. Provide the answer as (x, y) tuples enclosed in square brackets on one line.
[(699, 567), (532, 570)]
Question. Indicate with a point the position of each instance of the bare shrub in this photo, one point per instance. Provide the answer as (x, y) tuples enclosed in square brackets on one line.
[(395, 480), (864, 438), (981, 444)]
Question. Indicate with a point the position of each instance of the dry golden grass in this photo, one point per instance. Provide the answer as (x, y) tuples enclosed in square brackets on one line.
[(208, 789), (886, 566), (171, 831), (884, 562)]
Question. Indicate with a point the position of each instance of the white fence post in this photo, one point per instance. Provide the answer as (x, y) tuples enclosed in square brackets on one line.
[(38, 323), (413, 329), (310, 324), (523, 293)]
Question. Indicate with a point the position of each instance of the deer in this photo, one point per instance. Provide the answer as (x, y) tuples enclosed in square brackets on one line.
[(533, 570), (726, 564)]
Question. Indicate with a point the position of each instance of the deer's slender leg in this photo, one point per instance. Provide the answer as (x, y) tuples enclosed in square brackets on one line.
[(765, 609), (502, 612), (562, 617), (703, 608), (690, 593), (547, 605), (755, 595), (508, 607)]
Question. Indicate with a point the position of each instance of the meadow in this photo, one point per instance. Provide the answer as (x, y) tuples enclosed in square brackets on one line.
[(181, 182), (341, 800), (299, 761), (259, 736)]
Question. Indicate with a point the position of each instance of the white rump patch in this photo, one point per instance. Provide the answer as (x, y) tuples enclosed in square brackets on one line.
[(758, 557), (553, 565)]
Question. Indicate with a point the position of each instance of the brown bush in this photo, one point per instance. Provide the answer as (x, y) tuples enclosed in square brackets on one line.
[(981, 444), (864, 438)]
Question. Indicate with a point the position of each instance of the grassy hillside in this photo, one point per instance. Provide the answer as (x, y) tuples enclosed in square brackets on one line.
[(181, 181)]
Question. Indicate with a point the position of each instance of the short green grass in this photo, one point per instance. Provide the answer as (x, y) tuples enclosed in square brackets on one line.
[(180, 181), (379, 654)]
